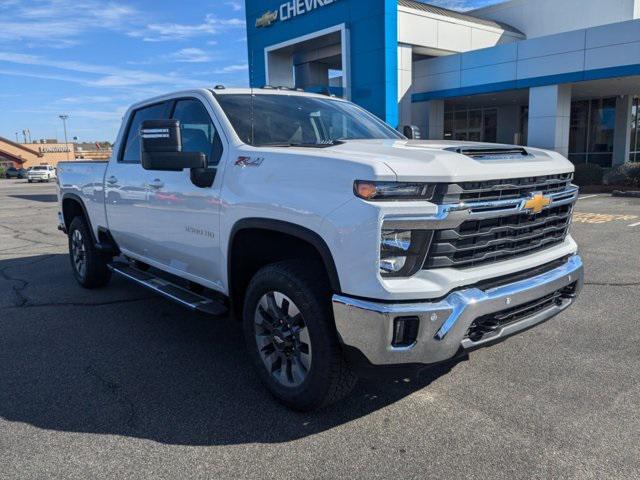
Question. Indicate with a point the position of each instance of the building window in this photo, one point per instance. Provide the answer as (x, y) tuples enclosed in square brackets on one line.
[(471, 124), (634, 156), (591, 131)]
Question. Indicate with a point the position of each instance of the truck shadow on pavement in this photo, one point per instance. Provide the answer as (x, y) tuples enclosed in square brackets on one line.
[(122, 361), (38, 197)]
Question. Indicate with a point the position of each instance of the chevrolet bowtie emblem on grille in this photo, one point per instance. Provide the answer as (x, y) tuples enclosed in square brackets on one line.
[(536, 203)]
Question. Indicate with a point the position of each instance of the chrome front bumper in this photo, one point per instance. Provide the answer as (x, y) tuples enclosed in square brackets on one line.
[(368, 325)]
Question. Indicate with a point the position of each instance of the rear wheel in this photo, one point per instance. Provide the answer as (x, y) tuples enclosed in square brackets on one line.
[(291, 337), (88, 265)]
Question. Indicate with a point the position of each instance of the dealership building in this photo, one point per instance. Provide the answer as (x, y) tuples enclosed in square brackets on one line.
[(557, 74)]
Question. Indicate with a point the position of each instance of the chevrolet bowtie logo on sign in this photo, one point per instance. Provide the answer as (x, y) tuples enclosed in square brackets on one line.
[(291, 9), (267, 19), (536, 203)]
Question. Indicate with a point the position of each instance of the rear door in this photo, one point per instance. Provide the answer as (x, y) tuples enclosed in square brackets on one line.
[(126, 187)]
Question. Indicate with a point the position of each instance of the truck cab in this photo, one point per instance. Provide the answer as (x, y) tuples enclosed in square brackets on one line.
[(336, 241)]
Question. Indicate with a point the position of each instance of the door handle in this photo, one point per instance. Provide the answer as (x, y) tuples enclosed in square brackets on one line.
[(157, 183), (112, 180)]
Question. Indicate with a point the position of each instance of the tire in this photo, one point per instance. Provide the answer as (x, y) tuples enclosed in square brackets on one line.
[(312, 376), (29, 181), (88, 265)]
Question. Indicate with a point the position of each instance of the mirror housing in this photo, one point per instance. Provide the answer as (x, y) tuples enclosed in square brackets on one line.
[(161, 147)]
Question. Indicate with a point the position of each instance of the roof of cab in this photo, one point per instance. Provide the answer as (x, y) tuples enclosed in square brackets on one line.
[(226, 91), (265, 91)]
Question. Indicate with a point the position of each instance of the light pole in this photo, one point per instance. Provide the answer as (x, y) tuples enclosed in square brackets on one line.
[(64, 125), (17, 139)]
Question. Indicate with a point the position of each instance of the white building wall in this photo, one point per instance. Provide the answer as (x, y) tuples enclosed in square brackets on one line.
[(405, 80), (536, 18), (570, 52), (449, 35)]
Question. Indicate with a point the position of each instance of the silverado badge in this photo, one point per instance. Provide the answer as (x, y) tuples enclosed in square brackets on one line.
[(536, 203), (267, 19)]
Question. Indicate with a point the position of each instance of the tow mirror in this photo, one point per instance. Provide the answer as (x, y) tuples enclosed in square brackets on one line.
[(161, 148)]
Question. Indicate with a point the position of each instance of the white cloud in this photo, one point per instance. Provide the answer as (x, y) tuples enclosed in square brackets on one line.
[(236, 6), (87, 99), (191, 55), (62, 23), (233, 68), (161, 32), (95, 75)]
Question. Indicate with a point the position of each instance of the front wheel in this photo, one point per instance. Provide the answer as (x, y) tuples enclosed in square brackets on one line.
[(291, 336), (88, 265)]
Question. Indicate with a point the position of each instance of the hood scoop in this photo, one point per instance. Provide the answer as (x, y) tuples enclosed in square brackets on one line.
[(491, 153)]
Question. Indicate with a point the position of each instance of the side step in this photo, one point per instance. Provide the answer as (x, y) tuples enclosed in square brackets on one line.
[(170, 290)]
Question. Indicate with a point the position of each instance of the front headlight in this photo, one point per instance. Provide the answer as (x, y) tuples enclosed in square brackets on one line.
[(402, 252), (393, 190)]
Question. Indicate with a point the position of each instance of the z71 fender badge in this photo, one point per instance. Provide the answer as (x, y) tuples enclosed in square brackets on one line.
[(249, 162)]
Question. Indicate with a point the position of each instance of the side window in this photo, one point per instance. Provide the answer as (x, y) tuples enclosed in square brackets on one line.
[(132, 146), (197, 129)]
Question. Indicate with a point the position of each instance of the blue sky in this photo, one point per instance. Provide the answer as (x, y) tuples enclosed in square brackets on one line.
[(90, 59)]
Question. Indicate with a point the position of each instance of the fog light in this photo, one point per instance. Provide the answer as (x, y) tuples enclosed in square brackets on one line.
[(405, 331)]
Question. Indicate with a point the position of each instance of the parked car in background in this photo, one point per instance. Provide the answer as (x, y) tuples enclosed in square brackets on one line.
[(41, 173), (13, 172)]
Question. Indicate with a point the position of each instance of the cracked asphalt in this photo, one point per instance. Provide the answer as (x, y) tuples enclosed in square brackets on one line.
[(118, 383)]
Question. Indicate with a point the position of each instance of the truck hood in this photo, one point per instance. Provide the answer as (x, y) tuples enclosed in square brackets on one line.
[(416, 160)]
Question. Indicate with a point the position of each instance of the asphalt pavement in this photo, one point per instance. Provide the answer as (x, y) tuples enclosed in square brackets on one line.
[(119, 383)]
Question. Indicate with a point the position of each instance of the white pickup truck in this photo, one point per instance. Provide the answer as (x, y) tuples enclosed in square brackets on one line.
[(41, 173), (339, 243)]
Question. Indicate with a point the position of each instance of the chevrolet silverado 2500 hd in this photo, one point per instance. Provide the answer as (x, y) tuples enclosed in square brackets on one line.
[(336, 241)]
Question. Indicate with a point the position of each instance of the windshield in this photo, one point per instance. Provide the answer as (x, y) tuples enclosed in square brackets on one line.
[(292, 120), (39, 168)]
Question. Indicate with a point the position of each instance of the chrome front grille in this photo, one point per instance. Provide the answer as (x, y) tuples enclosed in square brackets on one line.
[(476, 242), (493, 190)]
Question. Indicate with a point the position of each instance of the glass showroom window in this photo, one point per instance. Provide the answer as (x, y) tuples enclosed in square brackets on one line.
[(634, 156), (591, 131), (471, 124)]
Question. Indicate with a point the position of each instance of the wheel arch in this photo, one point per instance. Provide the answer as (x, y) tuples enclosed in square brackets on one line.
[(73, 206), (289, 234)]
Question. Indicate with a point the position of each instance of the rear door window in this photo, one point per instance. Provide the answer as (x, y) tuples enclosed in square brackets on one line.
[(158, 111)]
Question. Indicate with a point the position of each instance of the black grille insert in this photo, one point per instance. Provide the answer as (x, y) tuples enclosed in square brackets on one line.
[(476, 242)]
